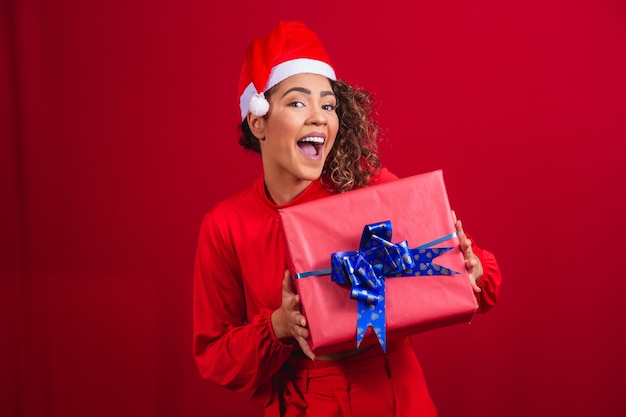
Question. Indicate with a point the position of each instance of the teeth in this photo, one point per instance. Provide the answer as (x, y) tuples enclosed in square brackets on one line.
[(313, 139)]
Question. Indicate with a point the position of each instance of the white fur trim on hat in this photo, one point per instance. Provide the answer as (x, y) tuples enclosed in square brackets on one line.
[(278, 74), (244, 100), (299, 66)]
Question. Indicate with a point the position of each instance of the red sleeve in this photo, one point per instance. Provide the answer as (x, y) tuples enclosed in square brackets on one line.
[(228, 349), (490, 280)]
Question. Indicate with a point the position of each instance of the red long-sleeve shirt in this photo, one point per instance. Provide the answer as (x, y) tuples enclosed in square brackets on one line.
[(239, 269)]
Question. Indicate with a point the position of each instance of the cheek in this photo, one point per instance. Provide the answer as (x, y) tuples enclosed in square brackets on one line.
[(277, 132), (287, 127), (335, 128), (331, 143)]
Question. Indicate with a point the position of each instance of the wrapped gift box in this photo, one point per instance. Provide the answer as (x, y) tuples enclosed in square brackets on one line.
[(422, 297)]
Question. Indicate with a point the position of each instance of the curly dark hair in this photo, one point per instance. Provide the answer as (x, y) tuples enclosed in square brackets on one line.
[(353, 159)]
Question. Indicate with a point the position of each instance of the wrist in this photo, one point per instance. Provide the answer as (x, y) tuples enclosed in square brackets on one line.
[(277, 328)]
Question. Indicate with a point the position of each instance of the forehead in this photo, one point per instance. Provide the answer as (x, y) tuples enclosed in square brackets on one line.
[(313, 82)]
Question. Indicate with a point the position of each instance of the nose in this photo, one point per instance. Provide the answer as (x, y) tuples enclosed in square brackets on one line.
[(316, 116)]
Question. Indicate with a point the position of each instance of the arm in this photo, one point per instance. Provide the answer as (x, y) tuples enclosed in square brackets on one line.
[(490, 281), (229, 349)]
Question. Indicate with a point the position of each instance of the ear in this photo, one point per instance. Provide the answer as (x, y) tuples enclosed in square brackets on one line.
[(257, 126)]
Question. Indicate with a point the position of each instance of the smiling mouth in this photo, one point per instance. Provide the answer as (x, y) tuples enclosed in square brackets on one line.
[(311, 145)]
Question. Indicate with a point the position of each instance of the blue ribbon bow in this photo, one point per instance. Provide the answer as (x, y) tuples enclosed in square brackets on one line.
[(366, 269)]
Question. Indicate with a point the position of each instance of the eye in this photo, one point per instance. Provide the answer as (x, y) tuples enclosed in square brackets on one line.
[(329, 107), (296, 103)]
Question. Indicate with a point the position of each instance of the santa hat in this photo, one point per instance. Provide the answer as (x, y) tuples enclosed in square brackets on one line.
[(289, 49)]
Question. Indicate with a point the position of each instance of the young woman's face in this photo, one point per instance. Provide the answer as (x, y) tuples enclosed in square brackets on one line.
[(299, 129)]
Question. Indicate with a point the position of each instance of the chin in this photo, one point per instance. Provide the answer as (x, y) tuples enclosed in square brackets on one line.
[(312, 174)]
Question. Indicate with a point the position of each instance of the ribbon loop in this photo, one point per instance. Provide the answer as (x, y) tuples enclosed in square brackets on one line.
[(366, 268)]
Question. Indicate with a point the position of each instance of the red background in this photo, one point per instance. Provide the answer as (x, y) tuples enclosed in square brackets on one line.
[(118, 126)]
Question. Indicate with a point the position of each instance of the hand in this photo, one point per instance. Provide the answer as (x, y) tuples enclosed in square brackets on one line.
[(472, 262), (288, 320)]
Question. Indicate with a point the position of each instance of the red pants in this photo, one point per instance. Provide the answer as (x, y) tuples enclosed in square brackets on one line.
[(369, 384)]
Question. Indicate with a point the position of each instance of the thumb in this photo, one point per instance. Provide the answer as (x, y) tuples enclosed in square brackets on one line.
[(287, 283)]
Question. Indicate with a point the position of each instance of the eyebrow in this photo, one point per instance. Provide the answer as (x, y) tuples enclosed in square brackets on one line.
[(307, 91)]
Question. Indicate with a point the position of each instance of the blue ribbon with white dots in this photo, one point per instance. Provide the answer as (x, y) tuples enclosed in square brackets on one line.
[(366, 269)]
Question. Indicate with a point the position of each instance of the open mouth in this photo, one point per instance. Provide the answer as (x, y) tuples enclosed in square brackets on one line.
[(311, 145)]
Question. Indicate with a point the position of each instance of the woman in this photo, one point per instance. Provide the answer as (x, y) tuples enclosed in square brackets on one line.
[(316, 138)]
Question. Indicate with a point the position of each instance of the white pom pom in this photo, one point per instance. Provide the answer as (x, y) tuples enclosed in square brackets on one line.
[(259, 106)]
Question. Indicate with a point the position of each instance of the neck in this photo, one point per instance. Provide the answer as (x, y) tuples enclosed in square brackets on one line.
[(280, 193)]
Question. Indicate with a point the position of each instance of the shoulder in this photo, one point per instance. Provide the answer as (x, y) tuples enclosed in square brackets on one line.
[(382, 176), (232, 203), (226, 212)]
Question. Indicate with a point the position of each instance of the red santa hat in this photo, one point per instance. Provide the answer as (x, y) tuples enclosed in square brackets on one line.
[(289, 49)]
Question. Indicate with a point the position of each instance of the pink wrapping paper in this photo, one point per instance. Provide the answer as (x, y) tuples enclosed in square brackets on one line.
[(419, 211)]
